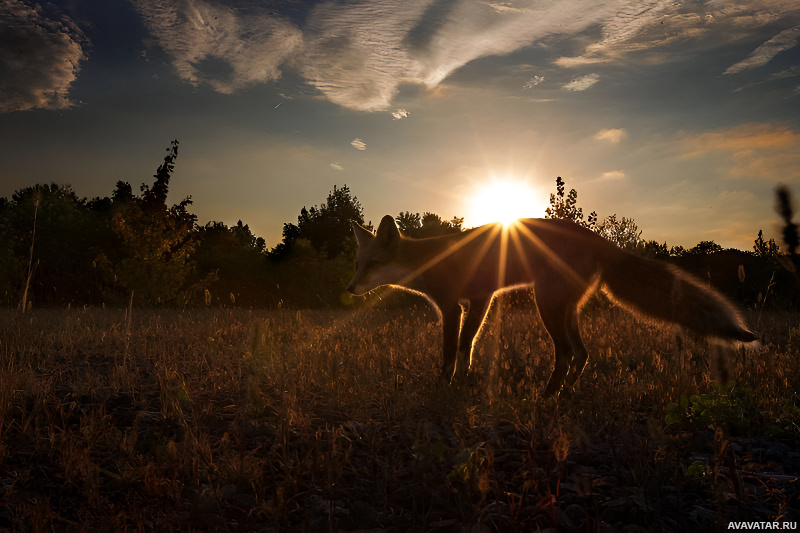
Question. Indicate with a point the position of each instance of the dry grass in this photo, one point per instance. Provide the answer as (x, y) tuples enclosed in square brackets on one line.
[(232, 420)]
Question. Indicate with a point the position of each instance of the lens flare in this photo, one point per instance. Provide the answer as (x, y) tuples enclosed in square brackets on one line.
[(504, 201)]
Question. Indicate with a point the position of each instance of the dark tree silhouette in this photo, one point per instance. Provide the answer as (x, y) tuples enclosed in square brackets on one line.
[(565, 206), (427, 224), (66, 235), (762, 248), (623, 232), (653, 249), (233, 261), (151, 252), (326, 227), (704, 248)]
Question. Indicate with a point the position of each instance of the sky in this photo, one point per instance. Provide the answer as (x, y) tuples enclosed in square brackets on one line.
[(683, 116)]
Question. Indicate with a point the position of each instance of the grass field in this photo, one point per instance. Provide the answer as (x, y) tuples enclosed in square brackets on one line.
[(233, 420)]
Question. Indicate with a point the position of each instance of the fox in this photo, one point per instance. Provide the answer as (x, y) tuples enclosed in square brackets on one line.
[(563, 262)]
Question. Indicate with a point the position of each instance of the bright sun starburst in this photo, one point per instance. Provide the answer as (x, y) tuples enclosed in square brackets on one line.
[(504, 201)]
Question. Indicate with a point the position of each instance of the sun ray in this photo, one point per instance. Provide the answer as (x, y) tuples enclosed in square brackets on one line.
[(552, 256), (514, 231), (503, 259), (477, 232)]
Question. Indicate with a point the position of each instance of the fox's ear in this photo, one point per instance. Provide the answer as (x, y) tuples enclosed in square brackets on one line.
[(388, 233), (362, 235)]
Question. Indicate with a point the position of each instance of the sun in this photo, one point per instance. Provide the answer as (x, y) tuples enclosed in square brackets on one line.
[(504, 201)]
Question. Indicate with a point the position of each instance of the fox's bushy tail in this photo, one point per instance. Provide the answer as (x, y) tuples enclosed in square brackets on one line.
[(665, 292)]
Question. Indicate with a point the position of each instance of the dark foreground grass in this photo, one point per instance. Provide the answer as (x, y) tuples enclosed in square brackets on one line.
[(232, 420)]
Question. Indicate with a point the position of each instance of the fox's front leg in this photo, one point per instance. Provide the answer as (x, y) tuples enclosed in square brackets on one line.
[(475, 313)]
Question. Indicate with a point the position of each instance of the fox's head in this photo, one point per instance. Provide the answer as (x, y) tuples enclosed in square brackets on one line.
[(376, 263)]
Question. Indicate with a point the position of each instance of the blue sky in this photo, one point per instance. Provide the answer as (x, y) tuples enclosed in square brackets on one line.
[(681, 115)]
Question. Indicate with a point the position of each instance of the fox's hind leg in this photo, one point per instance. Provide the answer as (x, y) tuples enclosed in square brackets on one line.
[(559, 315), (579, 353)]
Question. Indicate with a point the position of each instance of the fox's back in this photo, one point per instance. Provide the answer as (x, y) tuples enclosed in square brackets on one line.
[(482, 260)]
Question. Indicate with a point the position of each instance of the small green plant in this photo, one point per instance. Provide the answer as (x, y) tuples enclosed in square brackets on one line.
[(788, 425), (728, 406), (699, 472)]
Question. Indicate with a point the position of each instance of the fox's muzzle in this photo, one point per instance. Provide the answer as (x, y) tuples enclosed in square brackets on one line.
[(352, 287)]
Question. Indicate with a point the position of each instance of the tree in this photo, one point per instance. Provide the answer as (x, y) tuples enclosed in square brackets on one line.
[(67, 235), (408, 222), (327, 227), (10, 264), (151, 255), (765, 249), (565, 206), (677, 251), (233, 261), (623, 232), (653, 249), (427, 225), (705, 248)]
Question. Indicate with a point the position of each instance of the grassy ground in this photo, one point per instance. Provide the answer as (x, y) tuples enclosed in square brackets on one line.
[(232, 420)]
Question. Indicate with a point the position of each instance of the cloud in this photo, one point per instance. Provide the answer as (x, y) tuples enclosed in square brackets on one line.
[(613, 135), (582, 83), (651, 25), (357, 54), (763, 54), (400, 114), (40, 55), (741, 139), (226, 46), (533, 82), (358, 144), (635, 26), (613, 175), (768, 151), (337, 166)]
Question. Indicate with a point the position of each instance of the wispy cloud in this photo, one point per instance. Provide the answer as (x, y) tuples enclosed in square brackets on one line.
[(40, 55), (227, 46), (582, 83), (357, 54), (613, 135), (790, 72), (533, 82), (337, 166), (613, 175), (757, 150), (358, 144), (400, 114), (763, 54)]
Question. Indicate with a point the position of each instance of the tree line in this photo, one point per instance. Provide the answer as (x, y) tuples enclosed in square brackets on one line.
[(57, 248)]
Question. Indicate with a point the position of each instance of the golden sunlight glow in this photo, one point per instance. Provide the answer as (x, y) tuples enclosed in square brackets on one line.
[(504, 201)]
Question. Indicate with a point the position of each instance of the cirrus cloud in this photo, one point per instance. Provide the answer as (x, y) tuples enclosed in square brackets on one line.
[(228, 46), (357, 54), (763, 54), (613, 135), (613, 175), (582, 83), (768, 151)]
